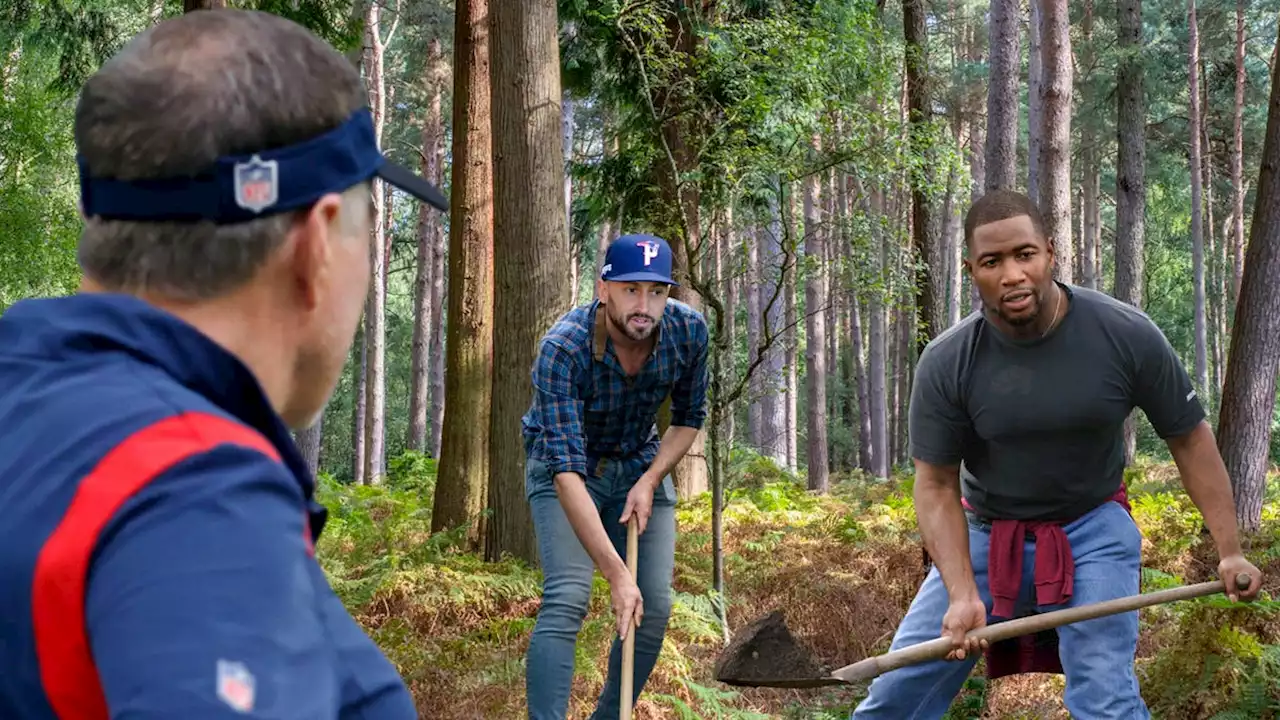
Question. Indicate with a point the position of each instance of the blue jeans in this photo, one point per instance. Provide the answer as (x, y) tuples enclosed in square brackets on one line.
[(1097, 655), (566, 586)]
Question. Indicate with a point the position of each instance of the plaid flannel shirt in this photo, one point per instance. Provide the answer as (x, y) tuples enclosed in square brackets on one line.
[(586, 409)]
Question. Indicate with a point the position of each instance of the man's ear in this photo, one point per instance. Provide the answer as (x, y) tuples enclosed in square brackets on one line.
[(601, 289), (310, 251)]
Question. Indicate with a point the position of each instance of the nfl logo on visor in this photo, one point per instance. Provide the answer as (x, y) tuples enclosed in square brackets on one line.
[(236, 685), (257, 184)]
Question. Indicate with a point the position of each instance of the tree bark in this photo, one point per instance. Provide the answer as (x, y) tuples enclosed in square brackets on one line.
[(429, 226), (755, 383), (1237, 159), (930, 275), (462, 482), (531, 278), (1056, 81), (1131, 193), (771, 288), (1090, 191), (310, 441), (1249, 392), (375, 313), (1002, 96), (1197, 202), (816, 294), (878, 353), (1036, 71)]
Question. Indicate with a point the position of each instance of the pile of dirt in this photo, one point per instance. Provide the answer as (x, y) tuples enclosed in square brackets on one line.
[(764, 652)]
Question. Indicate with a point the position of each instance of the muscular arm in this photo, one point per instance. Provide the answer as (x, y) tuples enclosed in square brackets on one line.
[(939, 428), (943, 526), (1205, 477), (1167, 396)]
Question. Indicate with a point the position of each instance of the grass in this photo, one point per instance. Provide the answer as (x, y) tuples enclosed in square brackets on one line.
[(843, 566)]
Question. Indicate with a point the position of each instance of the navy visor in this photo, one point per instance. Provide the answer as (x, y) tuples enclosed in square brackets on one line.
[(245, 187)]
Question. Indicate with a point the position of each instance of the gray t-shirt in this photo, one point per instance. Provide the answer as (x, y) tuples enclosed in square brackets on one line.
[(1039, 423)]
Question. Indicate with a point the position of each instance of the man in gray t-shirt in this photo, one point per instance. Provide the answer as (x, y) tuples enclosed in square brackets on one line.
[(1016, 425)]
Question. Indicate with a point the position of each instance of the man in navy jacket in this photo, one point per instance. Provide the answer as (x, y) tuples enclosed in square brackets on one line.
[(157, 524)]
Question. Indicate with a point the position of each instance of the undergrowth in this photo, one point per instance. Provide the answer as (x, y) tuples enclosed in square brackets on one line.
[(843, 567)]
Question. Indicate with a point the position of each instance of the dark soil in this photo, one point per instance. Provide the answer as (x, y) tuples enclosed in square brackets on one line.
[(765, 653)]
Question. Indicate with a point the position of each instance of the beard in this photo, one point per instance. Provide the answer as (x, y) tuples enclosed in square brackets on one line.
[(1019, 318), (637, 334)]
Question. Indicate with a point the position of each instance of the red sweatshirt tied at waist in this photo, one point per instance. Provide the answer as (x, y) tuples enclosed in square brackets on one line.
[(1054, 579)]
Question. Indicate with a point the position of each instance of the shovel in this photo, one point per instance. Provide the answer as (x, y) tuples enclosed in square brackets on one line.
[(764, 654), (629, 643)]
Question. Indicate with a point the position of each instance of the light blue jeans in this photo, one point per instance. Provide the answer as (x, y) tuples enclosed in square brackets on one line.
[(566, 586), (1097, 655)]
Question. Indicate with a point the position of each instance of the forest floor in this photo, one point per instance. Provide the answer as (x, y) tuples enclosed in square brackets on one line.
[(843, 567)]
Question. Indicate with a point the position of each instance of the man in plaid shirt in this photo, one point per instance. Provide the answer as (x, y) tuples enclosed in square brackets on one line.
[(595, 459)]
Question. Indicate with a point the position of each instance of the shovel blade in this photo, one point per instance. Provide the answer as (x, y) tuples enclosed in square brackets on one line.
[(765, 654)]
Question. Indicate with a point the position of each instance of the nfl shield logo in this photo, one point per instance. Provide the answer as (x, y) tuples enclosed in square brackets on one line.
[(257, 184), (235, 685)]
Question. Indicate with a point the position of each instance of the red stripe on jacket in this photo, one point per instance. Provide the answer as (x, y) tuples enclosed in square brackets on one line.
[(67, 669)]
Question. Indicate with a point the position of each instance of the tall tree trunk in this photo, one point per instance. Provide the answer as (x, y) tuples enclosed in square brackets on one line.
[(1056, 83), (310, 441), (878, 352), (816, 293), (1036, 71), (977, 122), (531, 278), (930, 276), (1249, 393), (462, 482), (429, 226), (440, 279), (1002, 96), (375, 314), (1091, 218), (566, 132), (731, 263), (790, 335), (359, 404), (755, 337), (1197, 202), (1131, 193), (1237, 159), (771, 289)]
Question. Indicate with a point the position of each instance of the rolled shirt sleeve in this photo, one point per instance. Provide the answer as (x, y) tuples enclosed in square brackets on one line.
[(689, 395), (559, 410)]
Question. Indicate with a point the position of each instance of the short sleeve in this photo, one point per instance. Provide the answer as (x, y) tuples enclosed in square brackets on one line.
[(937, 421), (1162, 387), (203, 583)]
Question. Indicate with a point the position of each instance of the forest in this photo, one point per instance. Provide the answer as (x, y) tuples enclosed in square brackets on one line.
[(810, 163)]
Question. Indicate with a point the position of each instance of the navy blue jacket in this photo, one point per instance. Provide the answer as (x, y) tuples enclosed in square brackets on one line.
[(157, 530)]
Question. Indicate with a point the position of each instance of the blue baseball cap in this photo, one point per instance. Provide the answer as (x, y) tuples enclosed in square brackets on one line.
[(244, 187), (638, 258)]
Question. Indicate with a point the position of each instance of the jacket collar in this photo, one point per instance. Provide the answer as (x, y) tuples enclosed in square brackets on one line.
[(89, 323)]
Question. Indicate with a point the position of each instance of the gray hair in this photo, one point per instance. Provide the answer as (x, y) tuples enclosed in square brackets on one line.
[(175, 98)]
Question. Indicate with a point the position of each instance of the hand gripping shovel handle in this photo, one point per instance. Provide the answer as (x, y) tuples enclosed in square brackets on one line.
[(629, 643), (938, 649)]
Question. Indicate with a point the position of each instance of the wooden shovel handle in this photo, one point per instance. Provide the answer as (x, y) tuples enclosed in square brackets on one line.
[(629, 643), (995, 632)]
